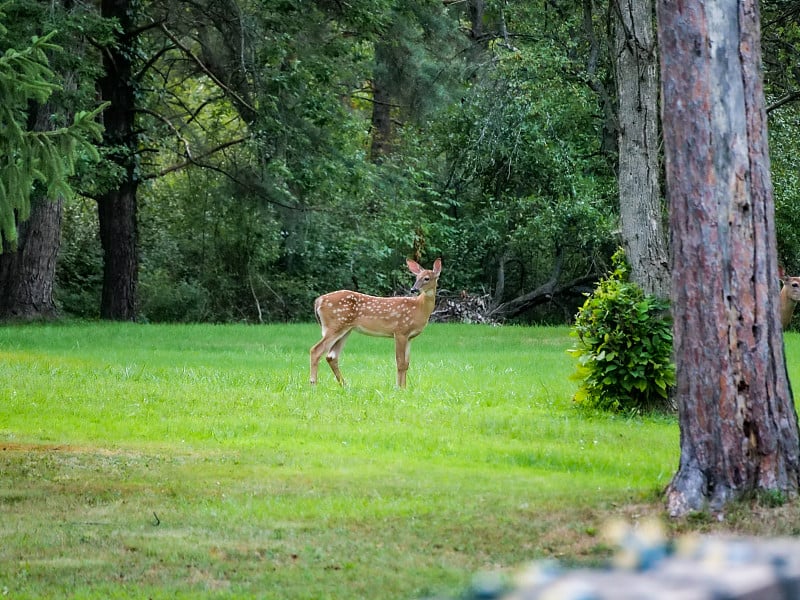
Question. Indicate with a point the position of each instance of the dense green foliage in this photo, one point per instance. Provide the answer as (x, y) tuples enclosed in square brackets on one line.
[(258, 183), (782, 80), (487, 167), (623, 346), (527, 181)]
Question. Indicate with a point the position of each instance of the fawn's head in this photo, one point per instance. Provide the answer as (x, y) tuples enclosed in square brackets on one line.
[(426, 278), (791, 287)]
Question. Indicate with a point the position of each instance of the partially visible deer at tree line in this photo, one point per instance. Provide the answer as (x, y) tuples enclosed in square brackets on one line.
[(790, 296), (402, 318)]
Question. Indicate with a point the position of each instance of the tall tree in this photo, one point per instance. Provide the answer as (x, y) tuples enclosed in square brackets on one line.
[(382, 130), (117, 206), (639, 172), (416, 68), (40, 146), (738, 423), (27, 275)]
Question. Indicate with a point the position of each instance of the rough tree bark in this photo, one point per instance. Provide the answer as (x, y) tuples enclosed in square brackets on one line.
[(737, 418), (641, 211), (27, 272), (27, 275), (117, 208)]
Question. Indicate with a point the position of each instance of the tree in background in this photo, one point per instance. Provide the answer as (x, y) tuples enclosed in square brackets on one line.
[(641, 210), (117, 202), (738, 423), (43, 143), (416, 69)]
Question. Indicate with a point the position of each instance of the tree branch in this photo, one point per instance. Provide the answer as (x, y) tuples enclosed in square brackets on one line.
[(152, 61), (186, 147), (244, 103), (194, 160), (543, 293), (786, 99)]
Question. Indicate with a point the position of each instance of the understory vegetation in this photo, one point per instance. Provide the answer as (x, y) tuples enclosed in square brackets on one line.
[(196, 461), (623, 346)]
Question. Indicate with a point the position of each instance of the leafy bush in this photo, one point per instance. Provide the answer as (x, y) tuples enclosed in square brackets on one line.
[(624, 346)]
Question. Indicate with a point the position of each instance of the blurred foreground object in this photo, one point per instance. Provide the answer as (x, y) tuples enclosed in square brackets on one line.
[(648, 566)]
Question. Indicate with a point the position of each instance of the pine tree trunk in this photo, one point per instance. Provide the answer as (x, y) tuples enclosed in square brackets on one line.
[(738, 423), (27, 272), (117, 207), (641, 212), (27, 275)]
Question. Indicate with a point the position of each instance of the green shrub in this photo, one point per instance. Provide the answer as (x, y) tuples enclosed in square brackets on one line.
[(623, 347)]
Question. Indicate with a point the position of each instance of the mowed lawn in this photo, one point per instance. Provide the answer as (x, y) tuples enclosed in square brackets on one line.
[(196, 461)]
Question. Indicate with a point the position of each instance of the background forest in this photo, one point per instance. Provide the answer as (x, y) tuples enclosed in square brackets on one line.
[(256, 153)]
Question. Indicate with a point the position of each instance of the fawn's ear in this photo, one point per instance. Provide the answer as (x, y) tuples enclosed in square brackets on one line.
[(413, 266), (781, 274), (437, 266)]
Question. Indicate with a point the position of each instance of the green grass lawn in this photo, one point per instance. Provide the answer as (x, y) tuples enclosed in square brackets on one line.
[(196, 461)]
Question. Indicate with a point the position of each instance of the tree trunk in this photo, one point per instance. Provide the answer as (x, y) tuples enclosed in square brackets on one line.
[(117, 218), (117, 207), (476, 9), (27, 273), (609, 137), (381, 109), (641, 211), (737, 417)]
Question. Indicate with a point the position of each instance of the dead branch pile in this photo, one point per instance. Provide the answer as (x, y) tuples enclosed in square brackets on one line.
[(463, 308)]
